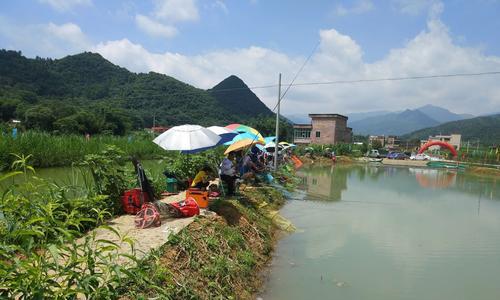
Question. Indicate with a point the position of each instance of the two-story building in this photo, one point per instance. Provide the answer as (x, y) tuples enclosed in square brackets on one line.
[(452, 139), (324, 129)]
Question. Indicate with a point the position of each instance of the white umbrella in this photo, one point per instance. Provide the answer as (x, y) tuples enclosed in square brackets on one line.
[(187, 138), (272, 146)]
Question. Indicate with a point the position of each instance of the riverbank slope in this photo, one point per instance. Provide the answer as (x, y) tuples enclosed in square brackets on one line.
[(219, 256)]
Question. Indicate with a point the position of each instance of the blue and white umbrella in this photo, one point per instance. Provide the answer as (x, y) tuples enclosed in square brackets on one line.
[(225, 134), (269, 139)]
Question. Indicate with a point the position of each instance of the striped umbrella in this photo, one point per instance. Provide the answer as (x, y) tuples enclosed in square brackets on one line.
[(241, 144), (246, 135)]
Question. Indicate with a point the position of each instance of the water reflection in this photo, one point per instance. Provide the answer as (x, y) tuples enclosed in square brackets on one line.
[(328, 183), (390, 233), (325, 183), (432, 178)]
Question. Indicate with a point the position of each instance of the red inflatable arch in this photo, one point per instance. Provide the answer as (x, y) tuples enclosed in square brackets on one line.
[(438, 143)]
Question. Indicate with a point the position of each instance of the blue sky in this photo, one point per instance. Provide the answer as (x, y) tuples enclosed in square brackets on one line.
[(202, 42)]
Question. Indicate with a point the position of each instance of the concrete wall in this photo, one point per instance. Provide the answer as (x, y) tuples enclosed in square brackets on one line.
[(340, 130), (326, 127), (455, 140)]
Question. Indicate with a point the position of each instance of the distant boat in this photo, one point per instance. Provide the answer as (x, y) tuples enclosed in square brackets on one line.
[(447, 165), (371, 159)]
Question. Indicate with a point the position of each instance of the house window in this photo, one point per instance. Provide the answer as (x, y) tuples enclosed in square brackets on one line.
[(302, 133), (318, 134)]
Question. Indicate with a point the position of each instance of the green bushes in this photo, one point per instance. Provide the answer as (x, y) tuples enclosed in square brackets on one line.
[(108, 172), (68, 270), (40, 257), (186, 166), (39, 212)]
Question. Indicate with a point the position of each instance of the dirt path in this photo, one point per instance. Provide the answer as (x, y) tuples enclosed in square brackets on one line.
[(145, 239)]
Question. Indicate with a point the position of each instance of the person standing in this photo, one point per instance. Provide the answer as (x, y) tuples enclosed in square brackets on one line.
[(228, 173)]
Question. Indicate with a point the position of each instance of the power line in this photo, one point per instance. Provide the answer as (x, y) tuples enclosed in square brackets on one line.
[(399, 78), (323, 83), (298, 72), (396, 79)]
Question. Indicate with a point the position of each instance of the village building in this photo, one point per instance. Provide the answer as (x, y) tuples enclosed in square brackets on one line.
[(325, 129), (392, 142), (157, 129), (452, 139), (378, 138)]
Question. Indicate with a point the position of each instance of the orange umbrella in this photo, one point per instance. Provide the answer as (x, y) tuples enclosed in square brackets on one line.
[(241, 144)]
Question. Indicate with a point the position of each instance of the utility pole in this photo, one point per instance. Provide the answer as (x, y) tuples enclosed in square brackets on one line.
[(276, 141)]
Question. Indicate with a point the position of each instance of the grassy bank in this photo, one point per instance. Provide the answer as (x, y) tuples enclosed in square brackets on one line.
[(316, 159), (48, 150), (220, 257)]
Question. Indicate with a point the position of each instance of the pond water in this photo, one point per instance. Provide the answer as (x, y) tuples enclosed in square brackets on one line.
[(368, 232), (76, 176)]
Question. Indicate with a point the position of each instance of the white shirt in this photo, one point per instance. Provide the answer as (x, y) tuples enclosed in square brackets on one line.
[(226, 167)]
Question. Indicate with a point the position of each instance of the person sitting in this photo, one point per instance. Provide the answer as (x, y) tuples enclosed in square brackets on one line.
[(227, 173), (202, 179), (255, 155), (248, 167)]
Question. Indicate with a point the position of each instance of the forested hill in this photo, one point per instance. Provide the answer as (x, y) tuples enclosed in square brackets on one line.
[(235, 95), (486, 129), (87, 93)]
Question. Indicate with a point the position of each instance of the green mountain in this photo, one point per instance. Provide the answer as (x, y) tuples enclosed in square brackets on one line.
[(486, 129), (233, 94), (86, 93)]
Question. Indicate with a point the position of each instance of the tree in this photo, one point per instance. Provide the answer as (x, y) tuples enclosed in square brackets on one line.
[(7, 109), (68, 125), (376, 144), (39, 117)]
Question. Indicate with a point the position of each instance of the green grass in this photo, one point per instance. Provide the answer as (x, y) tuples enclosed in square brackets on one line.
[(49, 150)]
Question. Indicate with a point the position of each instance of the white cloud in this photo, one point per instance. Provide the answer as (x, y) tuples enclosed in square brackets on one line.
[(154, 28), (66, 5), (221, 5), (68, 33), (176, 10), (415, 7), (46, 40), (166, 13), (360, 7), (338, 57)]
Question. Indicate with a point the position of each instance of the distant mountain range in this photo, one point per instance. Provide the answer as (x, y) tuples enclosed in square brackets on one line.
[(86, 93), (485, 128), (395, 123)]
